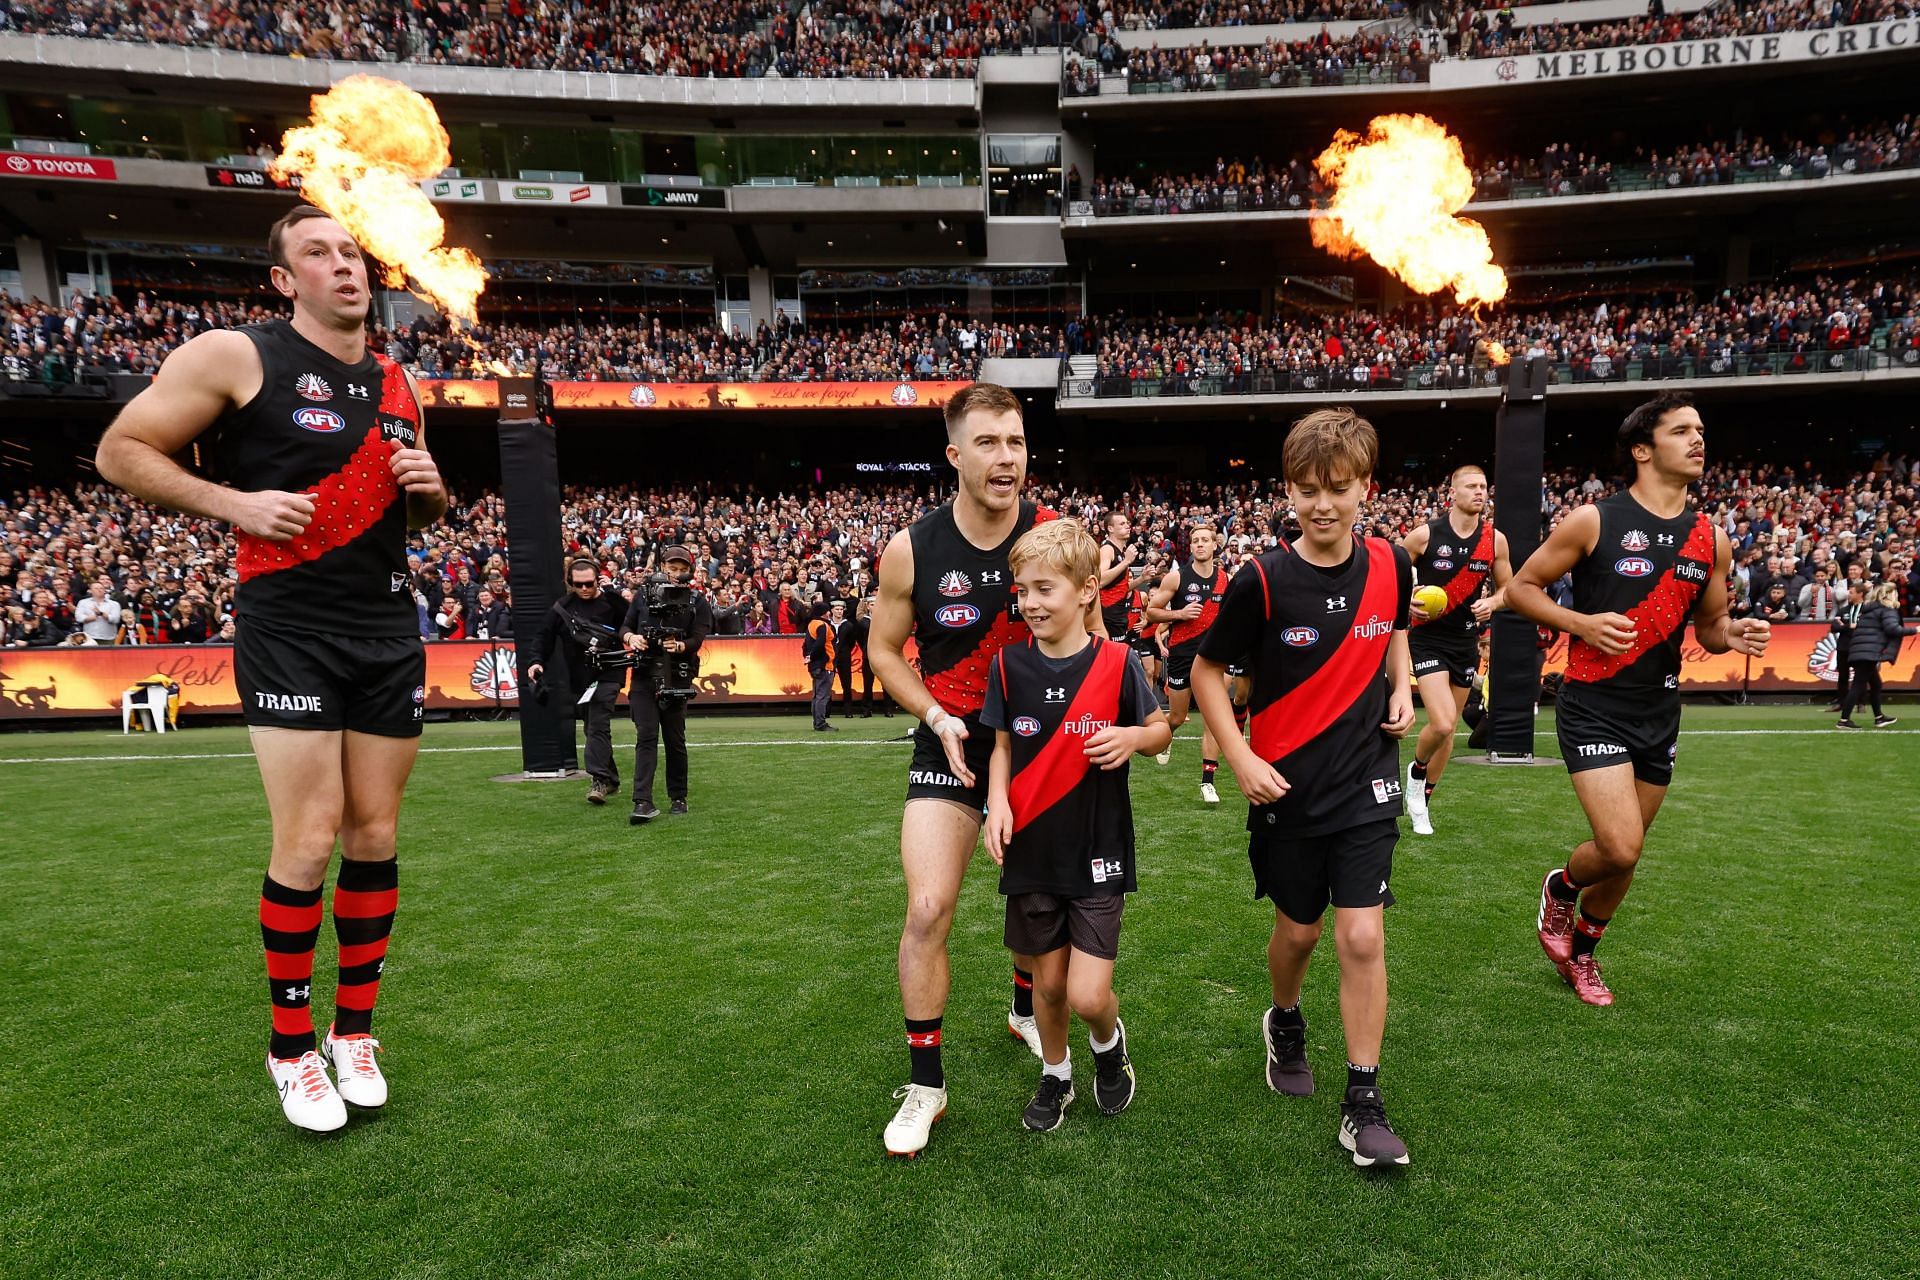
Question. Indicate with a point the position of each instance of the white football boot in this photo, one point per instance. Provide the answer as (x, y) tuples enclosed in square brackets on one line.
[(307, 1094)]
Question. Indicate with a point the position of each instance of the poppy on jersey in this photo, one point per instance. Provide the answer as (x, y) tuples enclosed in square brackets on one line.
[(987, 445), (1328, 460), (1056, 574)]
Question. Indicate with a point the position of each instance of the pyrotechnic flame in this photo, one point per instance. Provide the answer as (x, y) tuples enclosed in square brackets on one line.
[(1396, 194), (1497, 353), (369, 145)]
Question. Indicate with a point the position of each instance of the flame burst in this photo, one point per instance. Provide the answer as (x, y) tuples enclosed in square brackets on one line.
[(369, 145), (1396, 194), (1497, 353)]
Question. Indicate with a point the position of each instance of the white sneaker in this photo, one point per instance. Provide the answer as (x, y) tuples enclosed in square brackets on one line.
[(1417, 802), (1422, 824), (1208, 794), (353, 1062), (1165, 757), (907, 1134), (1026, 1029), (306, 1094)]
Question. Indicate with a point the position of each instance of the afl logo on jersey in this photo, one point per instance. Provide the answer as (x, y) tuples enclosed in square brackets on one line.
[(1299, 637), (1634, 541), (1443, 564), (325, 421), (955, 583), (311, 386), (956, 615), (1025, 726), (1633, 566)]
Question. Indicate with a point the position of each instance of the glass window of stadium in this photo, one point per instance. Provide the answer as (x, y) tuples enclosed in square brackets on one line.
[(1023, 175), (1041, 295), (540, 294)]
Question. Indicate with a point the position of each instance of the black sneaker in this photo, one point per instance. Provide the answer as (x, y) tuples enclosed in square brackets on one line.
[(1846, 724), (1881, 722), (1288, 1070), (1365, 1132), (643, 813), (598, 793), (1049, 1105), (678, 806), (1113, 1075)]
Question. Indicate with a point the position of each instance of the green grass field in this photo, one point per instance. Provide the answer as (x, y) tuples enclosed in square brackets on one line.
[(669, 1051)]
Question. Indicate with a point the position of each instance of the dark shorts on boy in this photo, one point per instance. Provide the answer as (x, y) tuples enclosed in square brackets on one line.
[(1302, 874), (930, 777), (1597, 730), (1041, 922), (291, 679)]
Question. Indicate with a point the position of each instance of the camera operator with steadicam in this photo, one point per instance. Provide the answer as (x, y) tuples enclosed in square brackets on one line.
[(664, 628), (584, 625)]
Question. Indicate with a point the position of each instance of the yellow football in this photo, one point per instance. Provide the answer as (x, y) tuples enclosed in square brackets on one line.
[(1432, 599)]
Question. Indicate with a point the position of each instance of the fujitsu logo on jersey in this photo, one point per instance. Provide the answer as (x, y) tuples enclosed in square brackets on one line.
[(1372, 628), (1085, 727), (1690, 570), (954, 583)]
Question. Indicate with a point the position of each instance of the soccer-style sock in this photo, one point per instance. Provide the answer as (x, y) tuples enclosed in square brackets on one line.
[(1240, 716), (1061, 1070), (1586, 934), (1289, 1017), (1419, 769), (923, 1046), (1113, 1041), (1022, 993), (1207, 769), (363, 902), (1562, 887), (1429, 789), (289, 926), (1363, 1077)]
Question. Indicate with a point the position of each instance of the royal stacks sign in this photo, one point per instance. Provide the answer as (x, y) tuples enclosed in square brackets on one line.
[(1894, 36), (31, 164), (442, 393)]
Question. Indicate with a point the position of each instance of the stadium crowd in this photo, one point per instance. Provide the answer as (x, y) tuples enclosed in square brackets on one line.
[(90, 565), (1559, 169), (1804, 326)]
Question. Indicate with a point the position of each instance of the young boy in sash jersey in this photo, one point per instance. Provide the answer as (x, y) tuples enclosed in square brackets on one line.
[(1069, 710), (1321, 623)]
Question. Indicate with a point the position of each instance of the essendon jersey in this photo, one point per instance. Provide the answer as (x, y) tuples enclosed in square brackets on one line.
[(1457, 566), (1318, 640), (964, 608), (1115, 598), (324, 429), (1072, 820), (1194, 589), (1652, 570)]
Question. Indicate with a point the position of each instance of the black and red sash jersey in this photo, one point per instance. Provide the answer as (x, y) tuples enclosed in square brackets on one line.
[(1114, 598), (964, 607), (326, 429), (1194, 589), (1457, 566), (1072, 820), (1652, 570), (1318, 640)]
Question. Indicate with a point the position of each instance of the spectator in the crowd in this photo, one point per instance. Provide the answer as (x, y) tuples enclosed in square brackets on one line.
[(491, 619), (99, 614)]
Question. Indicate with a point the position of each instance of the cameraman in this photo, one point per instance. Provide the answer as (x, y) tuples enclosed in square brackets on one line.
[(585, 604), (658, 676)]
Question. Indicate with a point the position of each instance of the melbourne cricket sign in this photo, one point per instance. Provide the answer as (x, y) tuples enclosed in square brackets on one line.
[(1769, 50)]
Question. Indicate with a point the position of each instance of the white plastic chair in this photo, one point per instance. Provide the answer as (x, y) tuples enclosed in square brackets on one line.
[(150, 698)]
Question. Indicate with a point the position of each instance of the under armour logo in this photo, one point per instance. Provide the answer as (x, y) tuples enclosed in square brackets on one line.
[(993, 576), (1056, 695), (355, 391), (1336, 602), (1664, 539), (297, 994)]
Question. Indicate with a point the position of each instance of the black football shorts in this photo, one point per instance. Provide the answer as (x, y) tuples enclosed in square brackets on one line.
[(1457, 655), (292, 679), (1597, 731), (1041, 922), (1302, 874), (930, 777)]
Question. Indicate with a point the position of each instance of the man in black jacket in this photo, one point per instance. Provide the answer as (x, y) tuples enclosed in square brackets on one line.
[(818, 650), (489, 619), (579, 682), (654, 712)]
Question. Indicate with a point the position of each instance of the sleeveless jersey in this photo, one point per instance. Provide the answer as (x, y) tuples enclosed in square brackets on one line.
[(1458, 566), (1652, 570), (326, 429), (1185, 636), (1319, 645), (964, 607), (1114, 597), (1072, 821)]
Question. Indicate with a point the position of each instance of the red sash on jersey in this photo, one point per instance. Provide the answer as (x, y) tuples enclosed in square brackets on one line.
[(1193, 628), (1464, 584), (1655, 619), (1298, 716), (1117, 590), (1059, 767)]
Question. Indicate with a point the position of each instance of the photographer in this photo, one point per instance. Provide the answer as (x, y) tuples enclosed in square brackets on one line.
[(664, 627), (584, 616)]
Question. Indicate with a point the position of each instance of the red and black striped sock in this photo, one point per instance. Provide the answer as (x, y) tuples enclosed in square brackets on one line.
[(1022, 993), (1586, 933), (1562, 886), (1207, 769), (923, 1044), (289, 926), (1240, 716), (363, 902)]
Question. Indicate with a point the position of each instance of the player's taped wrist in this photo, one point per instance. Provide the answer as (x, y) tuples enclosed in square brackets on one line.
[(941, 721)]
